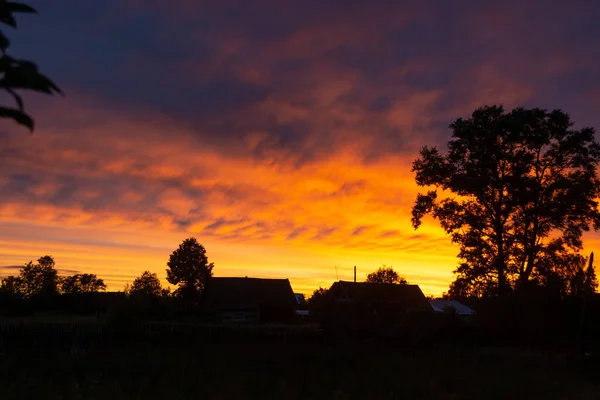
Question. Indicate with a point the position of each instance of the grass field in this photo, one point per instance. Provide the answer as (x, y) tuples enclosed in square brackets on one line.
[(188, 368)]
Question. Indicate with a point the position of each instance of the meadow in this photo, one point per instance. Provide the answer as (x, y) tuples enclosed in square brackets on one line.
[(179, 362)]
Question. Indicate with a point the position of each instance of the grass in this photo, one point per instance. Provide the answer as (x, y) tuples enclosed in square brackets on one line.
[(187, 368)]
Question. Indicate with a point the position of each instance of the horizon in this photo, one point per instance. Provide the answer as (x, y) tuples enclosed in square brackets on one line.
[(282, 141)]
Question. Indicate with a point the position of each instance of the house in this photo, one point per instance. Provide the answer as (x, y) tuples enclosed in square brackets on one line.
[(358, 308), (249, 300)]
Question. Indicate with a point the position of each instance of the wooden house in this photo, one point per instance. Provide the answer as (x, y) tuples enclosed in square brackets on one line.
[(249, 300), (359, 308)]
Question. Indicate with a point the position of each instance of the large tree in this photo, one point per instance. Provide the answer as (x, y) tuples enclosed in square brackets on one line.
[(189, 268), (385, 275), (18, 74), (514, 190), (82, 283), (39, 279)]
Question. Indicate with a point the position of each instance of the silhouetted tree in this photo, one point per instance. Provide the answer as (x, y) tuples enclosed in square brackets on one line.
[(385, 275), (317, 301), (189, 268), (521, 185), (147, 284), (82, 283), (12, 285), (566, 273), (39, 279), (19, 74)]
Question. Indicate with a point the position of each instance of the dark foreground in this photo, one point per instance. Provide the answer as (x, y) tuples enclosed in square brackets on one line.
[(173, 367)]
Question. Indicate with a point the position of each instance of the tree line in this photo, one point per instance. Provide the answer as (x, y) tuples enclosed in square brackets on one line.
[(188, 269)]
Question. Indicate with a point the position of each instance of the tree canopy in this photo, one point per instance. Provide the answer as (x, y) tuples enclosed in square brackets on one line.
[(147, 284), (385, 275), (317, 301), (81, 283), (519, 189), (19, 74), (189, 268), (40, 279)]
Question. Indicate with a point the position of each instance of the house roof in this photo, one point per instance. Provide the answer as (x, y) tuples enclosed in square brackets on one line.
[(405, 296), (442, 305), (244, 292)]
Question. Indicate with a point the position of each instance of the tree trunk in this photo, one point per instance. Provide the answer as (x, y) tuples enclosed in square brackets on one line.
[(524, 276)]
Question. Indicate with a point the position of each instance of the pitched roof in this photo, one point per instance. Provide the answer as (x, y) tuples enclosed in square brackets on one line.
[(406, 296), (243, 292)]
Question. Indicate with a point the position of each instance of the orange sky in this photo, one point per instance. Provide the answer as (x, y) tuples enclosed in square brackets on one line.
[(256, 218), (282, 140)]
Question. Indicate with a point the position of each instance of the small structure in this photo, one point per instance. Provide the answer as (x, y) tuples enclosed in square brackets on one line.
[(249, 300), (364, 308), (452, 306)]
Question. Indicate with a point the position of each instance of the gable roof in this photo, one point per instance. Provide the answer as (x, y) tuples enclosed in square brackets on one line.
[(405, 296), (244, 292)]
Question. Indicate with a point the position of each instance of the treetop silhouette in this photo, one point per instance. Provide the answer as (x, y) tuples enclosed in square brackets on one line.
[(519, 189), (189, 268), (385, 275)]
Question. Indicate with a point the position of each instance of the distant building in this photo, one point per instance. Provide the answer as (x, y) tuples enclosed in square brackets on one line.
[(249, 300), (370, 307), (459, 309)]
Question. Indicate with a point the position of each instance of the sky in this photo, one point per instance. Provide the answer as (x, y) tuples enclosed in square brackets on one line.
[(278, 133)]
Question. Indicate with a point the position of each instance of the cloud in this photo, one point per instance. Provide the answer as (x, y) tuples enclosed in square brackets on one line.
[(11, 268), (266, 127)]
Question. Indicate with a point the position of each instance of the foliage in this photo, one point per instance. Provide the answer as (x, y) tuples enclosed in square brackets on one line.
[(39, 279), (189, 269), (385, 275), (12, 285), (19, 74), (147, 284), (82, 283), (317, 300), (521, 189)]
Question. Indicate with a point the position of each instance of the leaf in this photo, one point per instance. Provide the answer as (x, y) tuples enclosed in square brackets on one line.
[(7, 17), (20, 7), (7, 9), (25, 75), (19, 116), (6, 62), (4, 42)]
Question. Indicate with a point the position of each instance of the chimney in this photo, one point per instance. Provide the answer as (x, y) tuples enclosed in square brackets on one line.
[(355, 274)]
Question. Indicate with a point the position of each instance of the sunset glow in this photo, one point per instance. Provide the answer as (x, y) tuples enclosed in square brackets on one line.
[(282, 141)]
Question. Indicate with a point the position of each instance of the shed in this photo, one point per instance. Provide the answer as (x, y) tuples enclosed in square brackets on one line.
[(249, 300)]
